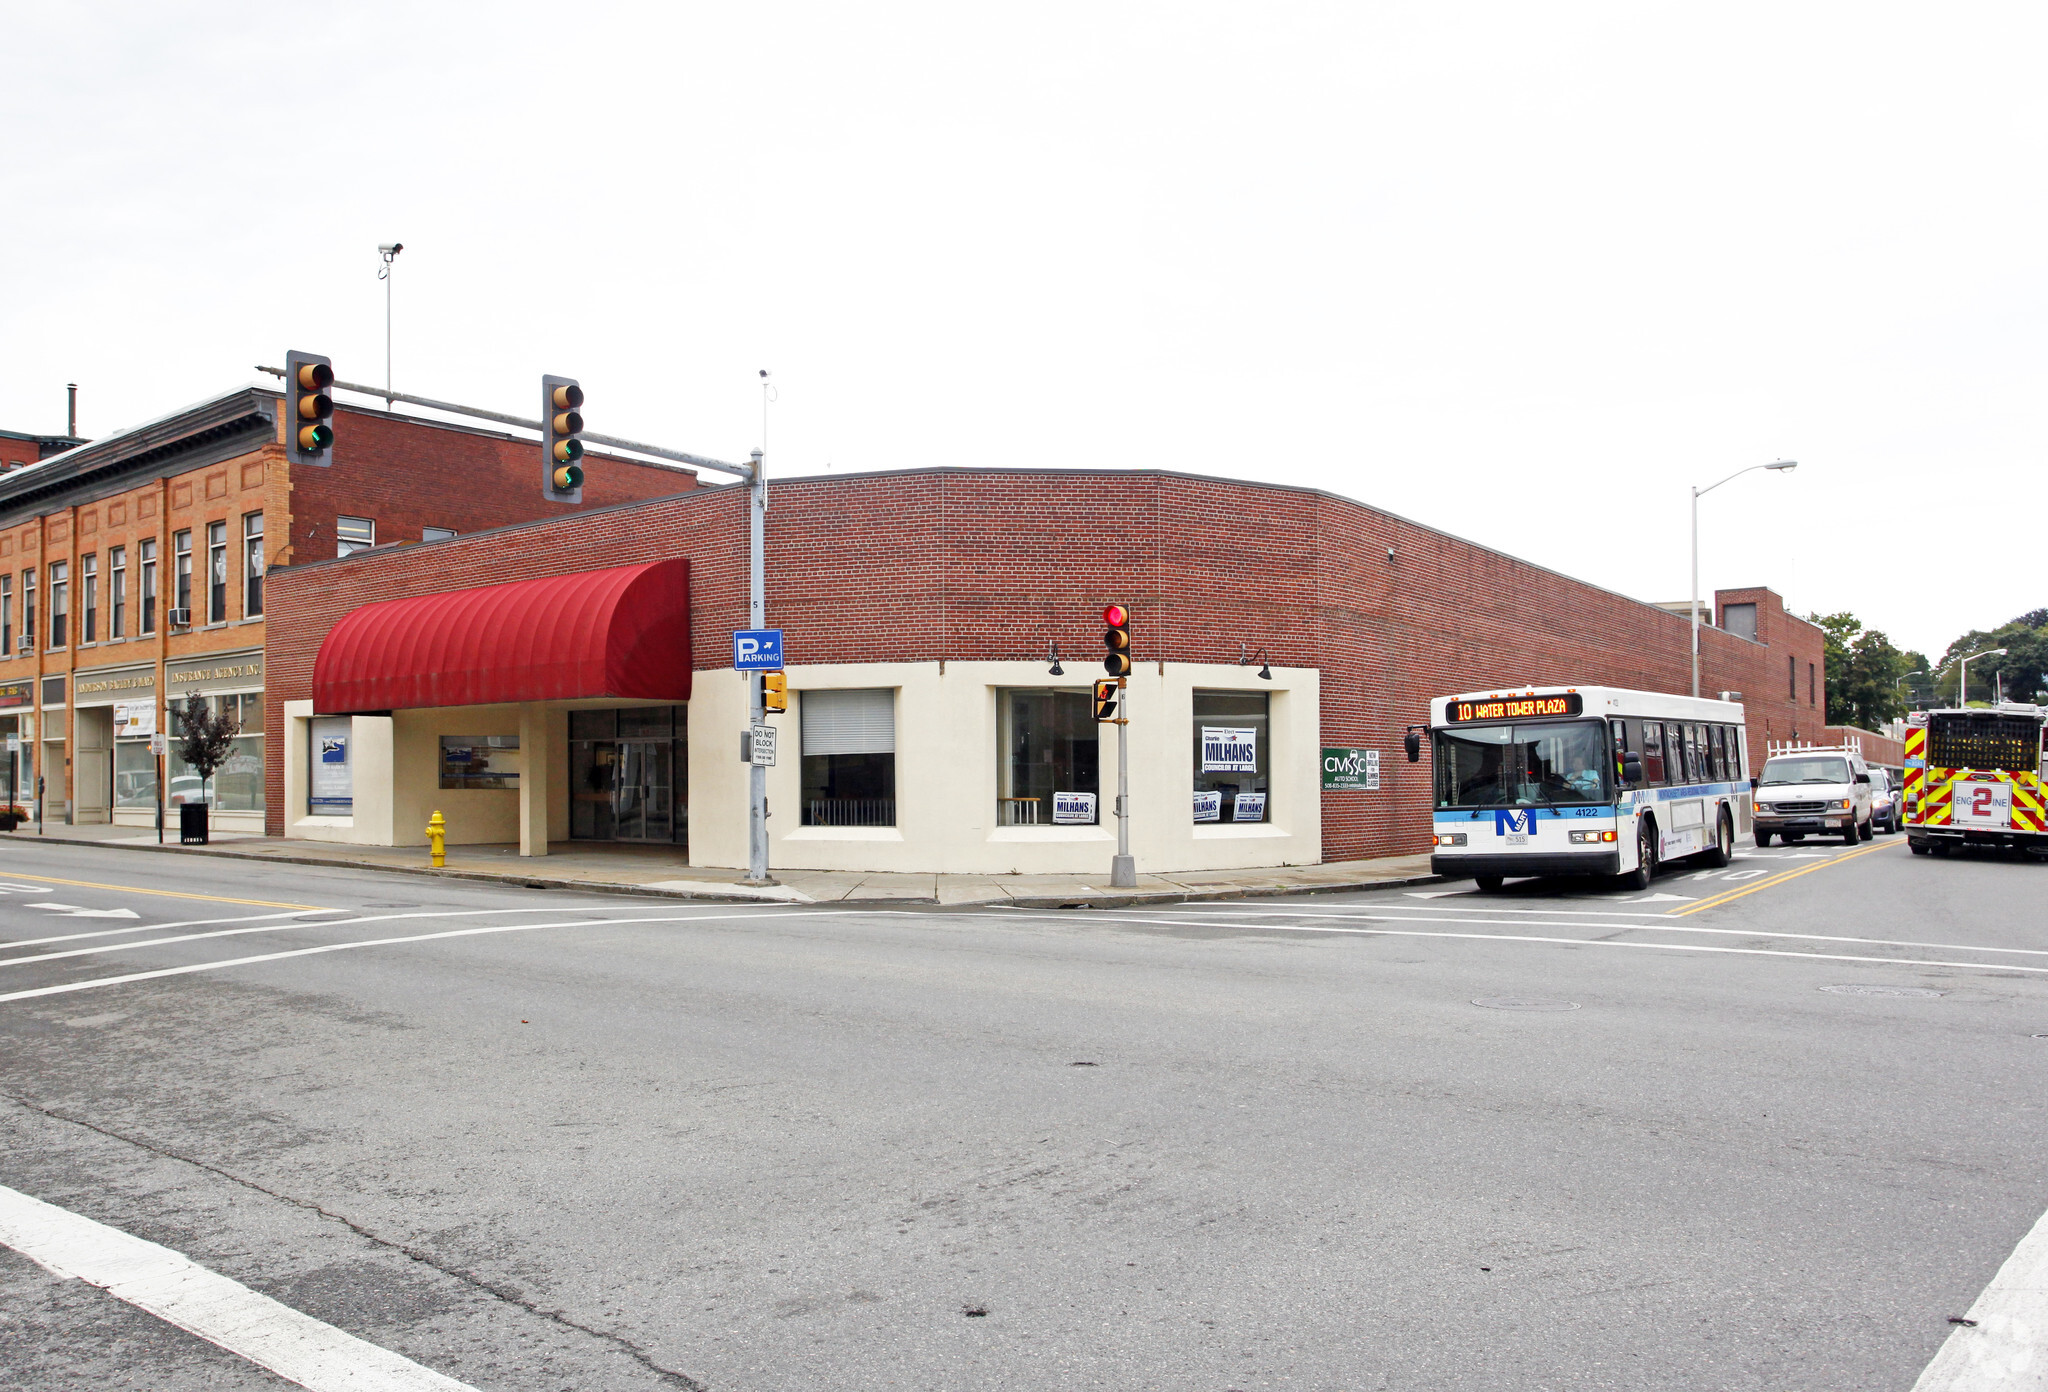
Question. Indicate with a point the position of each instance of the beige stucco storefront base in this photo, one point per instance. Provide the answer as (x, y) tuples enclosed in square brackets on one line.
[(946, 775)]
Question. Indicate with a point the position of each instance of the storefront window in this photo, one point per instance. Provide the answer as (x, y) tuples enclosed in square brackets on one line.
[(1050, 765), (134, 774), (849, 757), (1233, 750), (330, 784), (480, 761), (238, 783)]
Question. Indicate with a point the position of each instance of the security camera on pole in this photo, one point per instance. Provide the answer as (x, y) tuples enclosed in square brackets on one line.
[(1116, 637)]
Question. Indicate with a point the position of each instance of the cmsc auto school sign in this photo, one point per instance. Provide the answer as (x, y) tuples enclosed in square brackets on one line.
[(1351, 770)]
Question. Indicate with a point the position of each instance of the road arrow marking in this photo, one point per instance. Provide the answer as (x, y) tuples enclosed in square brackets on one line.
[(74, 911)]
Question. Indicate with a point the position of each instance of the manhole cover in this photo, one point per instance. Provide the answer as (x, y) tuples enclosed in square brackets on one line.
[(1919, 992), (1523, 1003)]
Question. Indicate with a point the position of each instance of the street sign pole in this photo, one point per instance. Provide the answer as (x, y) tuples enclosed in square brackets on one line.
[(1123, 871), (757, 615)]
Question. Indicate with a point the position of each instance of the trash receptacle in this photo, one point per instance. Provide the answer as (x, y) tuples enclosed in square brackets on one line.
[(192, 824)]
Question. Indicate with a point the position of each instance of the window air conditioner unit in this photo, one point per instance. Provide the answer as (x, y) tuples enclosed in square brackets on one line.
[(28, 647), (180, 618)]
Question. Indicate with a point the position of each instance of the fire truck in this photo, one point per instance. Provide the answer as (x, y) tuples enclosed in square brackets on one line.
[(1975, 778)]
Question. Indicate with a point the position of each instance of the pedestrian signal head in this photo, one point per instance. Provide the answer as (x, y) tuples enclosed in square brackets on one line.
[(1116, 638), (774, 691), (1105, 700)]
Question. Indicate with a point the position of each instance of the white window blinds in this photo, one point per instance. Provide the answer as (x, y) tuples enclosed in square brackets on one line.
[(850, 722)]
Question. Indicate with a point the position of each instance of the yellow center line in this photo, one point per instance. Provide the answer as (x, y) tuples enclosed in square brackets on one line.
[(1728, 896), (160, 893)]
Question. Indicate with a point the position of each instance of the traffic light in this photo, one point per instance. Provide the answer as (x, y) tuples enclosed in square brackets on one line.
[(561, 429), (1105, 700), (308, 409), (1117, 638), (774, 691)]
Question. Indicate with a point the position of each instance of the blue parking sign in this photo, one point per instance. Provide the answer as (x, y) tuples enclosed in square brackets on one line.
[(757, 649)]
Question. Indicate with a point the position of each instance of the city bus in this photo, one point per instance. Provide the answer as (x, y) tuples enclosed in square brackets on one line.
[(1582, 780)]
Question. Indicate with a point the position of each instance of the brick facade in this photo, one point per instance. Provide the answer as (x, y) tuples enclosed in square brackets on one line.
[(962, 564), (221, 462)]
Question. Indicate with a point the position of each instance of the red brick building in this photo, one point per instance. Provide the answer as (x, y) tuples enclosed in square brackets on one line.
[(932, 602), (134, 572)]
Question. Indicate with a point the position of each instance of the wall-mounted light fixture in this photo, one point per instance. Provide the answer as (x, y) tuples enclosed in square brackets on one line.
[(1055, 670)]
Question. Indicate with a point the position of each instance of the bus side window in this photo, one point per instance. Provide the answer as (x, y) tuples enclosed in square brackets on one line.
[(1653, 753), (1695, 754), (1717, 739)]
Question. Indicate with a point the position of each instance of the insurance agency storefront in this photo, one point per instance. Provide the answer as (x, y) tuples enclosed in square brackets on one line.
[(565, 709)]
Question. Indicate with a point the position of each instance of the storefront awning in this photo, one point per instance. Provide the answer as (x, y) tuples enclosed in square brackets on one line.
[(622, 632)]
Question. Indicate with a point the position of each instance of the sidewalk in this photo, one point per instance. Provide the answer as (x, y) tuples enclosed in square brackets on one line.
[(626, 869)]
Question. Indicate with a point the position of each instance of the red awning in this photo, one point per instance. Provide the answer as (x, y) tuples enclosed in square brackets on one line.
[(621, 632)]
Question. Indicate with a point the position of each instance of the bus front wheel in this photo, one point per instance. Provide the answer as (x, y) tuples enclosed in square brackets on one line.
[(1488, 884), (1646, 857)]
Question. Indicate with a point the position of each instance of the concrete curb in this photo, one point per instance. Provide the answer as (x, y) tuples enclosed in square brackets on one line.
[(711, 895)]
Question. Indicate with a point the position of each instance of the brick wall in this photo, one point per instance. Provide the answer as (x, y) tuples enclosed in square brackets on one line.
[(404, 474), (967, 564), (408, 474)]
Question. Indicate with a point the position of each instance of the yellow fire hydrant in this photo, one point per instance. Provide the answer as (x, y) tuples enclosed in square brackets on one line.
[(437, 839)]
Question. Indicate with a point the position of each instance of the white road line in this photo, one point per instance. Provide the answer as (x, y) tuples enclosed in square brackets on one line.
[(1412, 913), (160, 927), (2007, 1350), (1530, 938), (221, 1311), (754, 915), (1342, 910), (271, 928)]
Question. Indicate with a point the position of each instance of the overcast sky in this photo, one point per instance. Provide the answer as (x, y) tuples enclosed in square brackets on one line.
[(1522, 272)]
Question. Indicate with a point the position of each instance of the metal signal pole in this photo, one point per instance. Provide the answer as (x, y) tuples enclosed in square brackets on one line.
[(1123, 871), (757, 711)]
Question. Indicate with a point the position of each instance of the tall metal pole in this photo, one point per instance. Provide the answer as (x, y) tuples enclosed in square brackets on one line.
[(757, 713), (1123, 871), (1695, 592)]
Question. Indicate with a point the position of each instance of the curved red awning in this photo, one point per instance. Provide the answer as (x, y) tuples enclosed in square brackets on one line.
[(619, 632)]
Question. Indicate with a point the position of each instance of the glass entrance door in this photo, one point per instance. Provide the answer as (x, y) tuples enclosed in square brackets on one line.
[(643, 800), (629, 775)]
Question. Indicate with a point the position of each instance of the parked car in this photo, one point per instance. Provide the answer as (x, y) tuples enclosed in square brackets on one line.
[(1813, 792), (1887, 803)]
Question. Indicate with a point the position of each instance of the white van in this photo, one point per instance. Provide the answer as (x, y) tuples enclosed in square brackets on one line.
[(1813, 792)]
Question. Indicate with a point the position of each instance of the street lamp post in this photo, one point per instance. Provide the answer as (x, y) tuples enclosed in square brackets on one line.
[(1963, 673), (1697, 493), (1921, 672)]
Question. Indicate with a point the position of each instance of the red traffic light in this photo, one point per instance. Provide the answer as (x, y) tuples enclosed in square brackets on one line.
[(1116, 616)]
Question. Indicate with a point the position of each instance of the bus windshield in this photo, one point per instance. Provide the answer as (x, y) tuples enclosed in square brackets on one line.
[(1522, 765)]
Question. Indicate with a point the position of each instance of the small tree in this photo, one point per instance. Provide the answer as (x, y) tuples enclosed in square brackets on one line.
[(206, 739)]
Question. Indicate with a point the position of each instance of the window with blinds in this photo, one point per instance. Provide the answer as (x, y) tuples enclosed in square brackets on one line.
[(848, 740)]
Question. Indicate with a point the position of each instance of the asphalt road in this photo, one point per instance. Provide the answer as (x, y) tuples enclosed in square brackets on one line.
[(540, 1140)]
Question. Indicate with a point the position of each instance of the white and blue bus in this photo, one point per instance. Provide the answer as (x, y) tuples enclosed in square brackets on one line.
[(1586, 780)]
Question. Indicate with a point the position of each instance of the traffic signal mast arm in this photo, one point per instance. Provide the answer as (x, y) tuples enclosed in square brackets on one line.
[(695, 461)]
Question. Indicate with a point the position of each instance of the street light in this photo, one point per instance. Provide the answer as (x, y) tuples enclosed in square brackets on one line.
[(1963, 673), (1697, 493), (1921, 672)]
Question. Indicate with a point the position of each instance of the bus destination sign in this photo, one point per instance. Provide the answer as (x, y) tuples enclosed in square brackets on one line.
[(1517, 707)]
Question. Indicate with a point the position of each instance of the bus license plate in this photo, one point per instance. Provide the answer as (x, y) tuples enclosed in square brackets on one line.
[(1518, 838)]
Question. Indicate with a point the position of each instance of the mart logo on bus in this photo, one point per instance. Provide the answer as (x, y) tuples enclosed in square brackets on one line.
[(1518, 824)]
